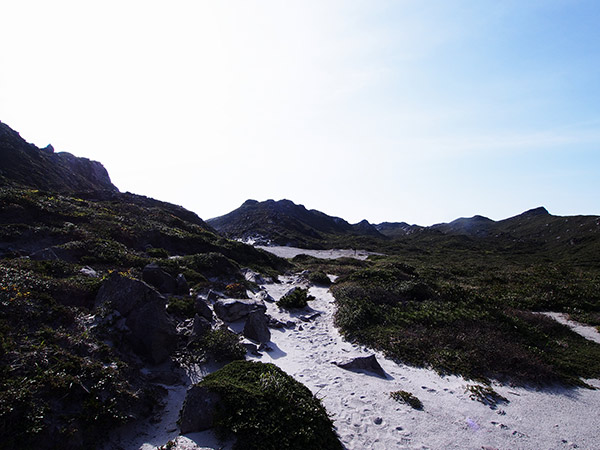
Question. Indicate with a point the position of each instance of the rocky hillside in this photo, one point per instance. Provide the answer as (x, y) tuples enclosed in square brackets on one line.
[(23, 164), (104, 297), (285, 223)]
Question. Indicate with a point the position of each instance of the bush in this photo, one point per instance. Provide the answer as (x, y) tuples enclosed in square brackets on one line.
[(319, 278), (408, 398), (182, 307), (222, 345), (485, 395), (298, 298), (267, 409)]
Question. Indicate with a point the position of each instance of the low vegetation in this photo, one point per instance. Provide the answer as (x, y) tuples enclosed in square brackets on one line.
[(264, 408), (296, 299), (485, 395), (408, 398), (474, 318)]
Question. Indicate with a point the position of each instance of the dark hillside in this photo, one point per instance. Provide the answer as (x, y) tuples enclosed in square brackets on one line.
[(24, 164), (285, 223)]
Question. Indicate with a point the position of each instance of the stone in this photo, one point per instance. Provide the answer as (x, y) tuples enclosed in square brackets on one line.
[(362, 363), (257, 328), (264, 296), (199, 408), (88, 271), (203, 309), (183, 288), (201, 327), (310, 317), (161, 280), (231, 310), (213, 296), (147, 327), (252, 276)]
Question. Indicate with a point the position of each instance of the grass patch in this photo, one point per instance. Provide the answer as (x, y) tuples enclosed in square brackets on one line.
[(408, 398), (485, 395), (296, 299), (267, 409)]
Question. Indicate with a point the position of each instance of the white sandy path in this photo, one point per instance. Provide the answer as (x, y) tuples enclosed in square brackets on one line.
[(586, 331), (290, 252), (367, 418)]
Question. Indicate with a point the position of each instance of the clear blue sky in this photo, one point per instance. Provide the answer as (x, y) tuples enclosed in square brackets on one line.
[(417, 111)]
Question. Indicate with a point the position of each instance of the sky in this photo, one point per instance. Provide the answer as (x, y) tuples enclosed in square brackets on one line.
[(420, 111)]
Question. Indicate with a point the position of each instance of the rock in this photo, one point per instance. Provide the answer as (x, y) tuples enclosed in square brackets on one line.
[(201, 327), (213, 296), (252, 276), (274, 323), (161, 280), (203, 309), (183, 288), (264, 296), (251, 348), (310, 318), (256, 327), (88, 271), (198, 412), (46, 254), (230, 310), (366, 363), (147, 327)]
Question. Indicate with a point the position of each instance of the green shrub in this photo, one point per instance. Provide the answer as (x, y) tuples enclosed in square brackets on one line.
[(157, 253), (408, 398), (298, 298), (485, 395), (182, 307), (319, 278), (267, 409), (222, 345)]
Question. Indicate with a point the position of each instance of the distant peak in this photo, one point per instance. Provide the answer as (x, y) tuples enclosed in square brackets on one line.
[(540, 211), (250, 202)]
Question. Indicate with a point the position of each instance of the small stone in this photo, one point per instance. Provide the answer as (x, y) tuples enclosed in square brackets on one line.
[(378, 421)]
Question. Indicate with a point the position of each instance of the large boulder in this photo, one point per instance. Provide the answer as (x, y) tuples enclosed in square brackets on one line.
[(183, 288), (149, 331), (161, 280), (202, 308), (362, 363), (257, 327), (198, 412), (231, 310), (200, 328)]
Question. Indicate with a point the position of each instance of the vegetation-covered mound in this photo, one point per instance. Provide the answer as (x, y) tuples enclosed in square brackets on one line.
[(66, 374), (267, 409), (473, 319)]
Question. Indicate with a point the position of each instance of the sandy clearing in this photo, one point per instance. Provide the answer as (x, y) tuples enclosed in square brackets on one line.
[(290, 252), (366, 416)]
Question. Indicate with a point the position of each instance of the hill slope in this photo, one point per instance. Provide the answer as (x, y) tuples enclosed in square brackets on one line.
[(22, 163), (285, 223)]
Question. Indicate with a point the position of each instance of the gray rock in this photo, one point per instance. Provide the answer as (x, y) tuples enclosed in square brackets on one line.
[(230, 310), (201, 327), (198, 412), (264, 296), (183, 288), (257, 328), (310, 317), (251, 348), (147, 327), (46, 254), (161, 280), (88, 271), (362, 363), (252, 276), (213, 296), (203, 309)]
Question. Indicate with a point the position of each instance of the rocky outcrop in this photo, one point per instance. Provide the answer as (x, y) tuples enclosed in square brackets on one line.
[(198, 412), (25, 164), (147, 328), (257, 327), (362, 363), (231, 310), (161, 280), (203, 309)]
